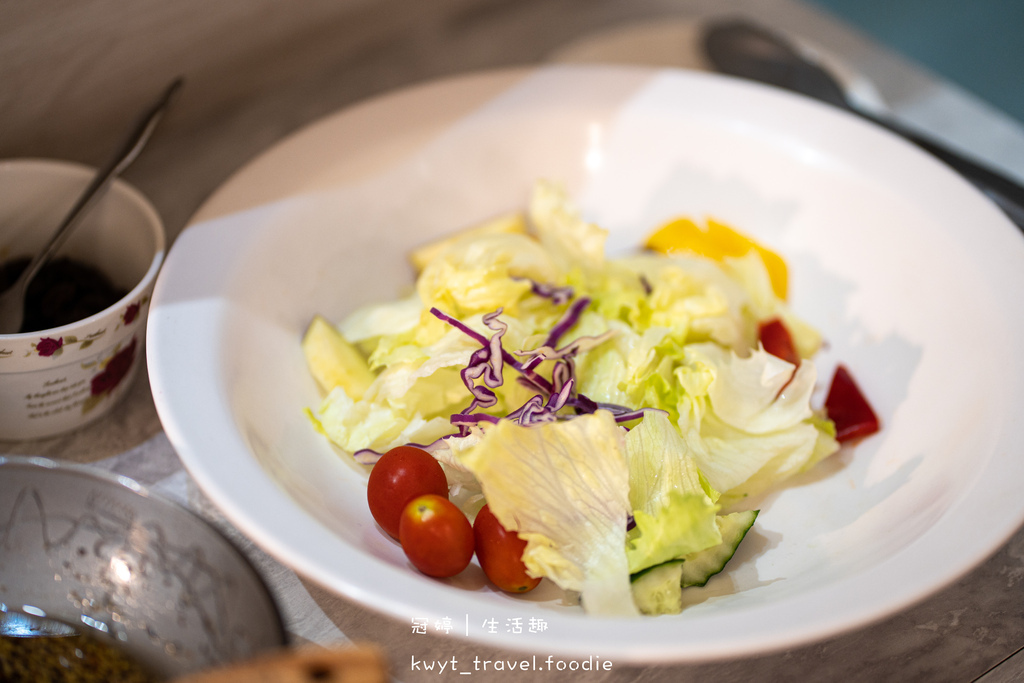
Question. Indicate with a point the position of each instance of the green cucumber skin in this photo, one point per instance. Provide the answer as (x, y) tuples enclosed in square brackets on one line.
[(659, 590), (700, 567)]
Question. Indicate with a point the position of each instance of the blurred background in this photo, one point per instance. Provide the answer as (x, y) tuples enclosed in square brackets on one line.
[(74, 73), (978, 45)]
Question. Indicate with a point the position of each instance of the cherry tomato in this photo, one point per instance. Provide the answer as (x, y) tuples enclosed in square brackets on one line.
[(435, 535), (848, 409), (501, 554), (400, 475), (776, 340)]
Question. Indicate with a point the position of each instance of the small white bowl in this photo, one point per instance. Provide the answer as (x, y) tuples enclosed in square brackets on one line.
[(59, 379)]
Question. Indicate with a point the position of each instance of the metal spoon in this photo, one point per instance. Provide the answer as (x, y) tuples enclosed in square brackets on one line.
[(741, 48), (23, 625), (12, 300)]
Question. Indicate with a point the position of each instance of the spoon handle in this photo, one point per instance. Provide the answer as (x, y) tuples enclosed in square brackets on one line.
[(103, 179), (1001, 189), (741, 48)]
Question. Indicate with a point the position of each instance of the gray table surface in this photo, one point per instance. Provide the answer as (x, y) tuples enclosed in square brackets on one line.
[(248, 90)]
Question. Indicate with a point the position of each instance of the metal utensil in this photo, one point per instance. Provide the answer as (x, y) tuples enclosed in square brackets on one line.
[(12, 300), (741, 48), (22, 625), (91, 553)]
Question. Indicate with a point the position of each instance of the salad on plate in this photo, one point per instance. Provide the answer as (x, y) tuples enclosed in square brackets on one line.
[(595, 421)]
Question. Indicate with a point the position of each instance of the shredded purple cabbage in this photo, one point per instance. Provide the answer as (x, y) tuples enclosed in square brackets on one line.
[(485, 372), (558, 295), (486, 363), (368, 456), (552, 394), (645, 283), (547, 350), (536, 380)]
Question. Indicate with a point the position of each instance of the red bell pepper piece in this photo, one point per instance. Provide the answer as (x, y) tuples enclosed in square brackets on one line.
[(848, 409), (776, 340)]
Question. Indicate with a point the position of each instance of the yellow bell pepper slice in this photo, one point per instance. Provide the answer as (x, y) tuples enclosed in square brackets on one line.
[(717, 241)]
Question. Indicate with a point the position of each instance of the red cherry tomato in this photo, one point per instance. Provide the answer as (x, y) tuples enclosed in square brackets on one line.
[(400, 475), (848, 409), (435, 535), (776, 340), (501, 554)]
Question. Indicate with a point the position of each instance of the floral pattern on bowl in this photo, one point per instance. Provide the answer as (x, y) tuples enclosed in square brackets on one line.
[(53, 347)]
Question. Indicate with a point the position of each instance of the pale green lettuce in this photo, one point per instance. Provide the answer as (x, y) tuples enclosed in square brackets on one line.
[(355, 425), (675, 333), (759, 393), (483, 274), (379, 320), (621, 369), (748, 416), (572, 243), (673, 506), (685, 524), (761, 303), (660, 463), (564, 488)]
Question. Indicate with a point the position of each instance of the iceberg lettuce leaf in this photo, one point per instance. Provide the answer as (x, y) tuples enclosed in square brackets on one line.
[(685, 524), (747, 417), (763, 304), (759, 393), (484, 274), (659, 463), (564, 488), (673, 510), (384, 319), (572, 243), (355, 425), (789, 461), (735, 457)]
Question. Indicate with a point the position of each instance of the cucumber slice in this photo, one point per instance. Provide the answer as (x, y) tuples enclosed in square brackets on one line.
[(699, 567), (659, 590)]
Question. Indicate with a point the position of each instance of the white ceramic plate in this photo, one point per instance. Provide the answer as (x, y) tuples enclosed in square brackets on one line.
[(912, 275)]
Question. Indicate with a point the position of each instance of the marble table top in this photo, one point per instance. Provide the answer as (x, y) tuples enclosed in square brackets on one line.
[(970, 631)]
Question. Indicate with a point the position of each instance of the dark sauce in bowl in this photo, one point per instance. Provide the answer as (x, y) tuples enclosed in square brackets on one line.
[(63, 291)]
